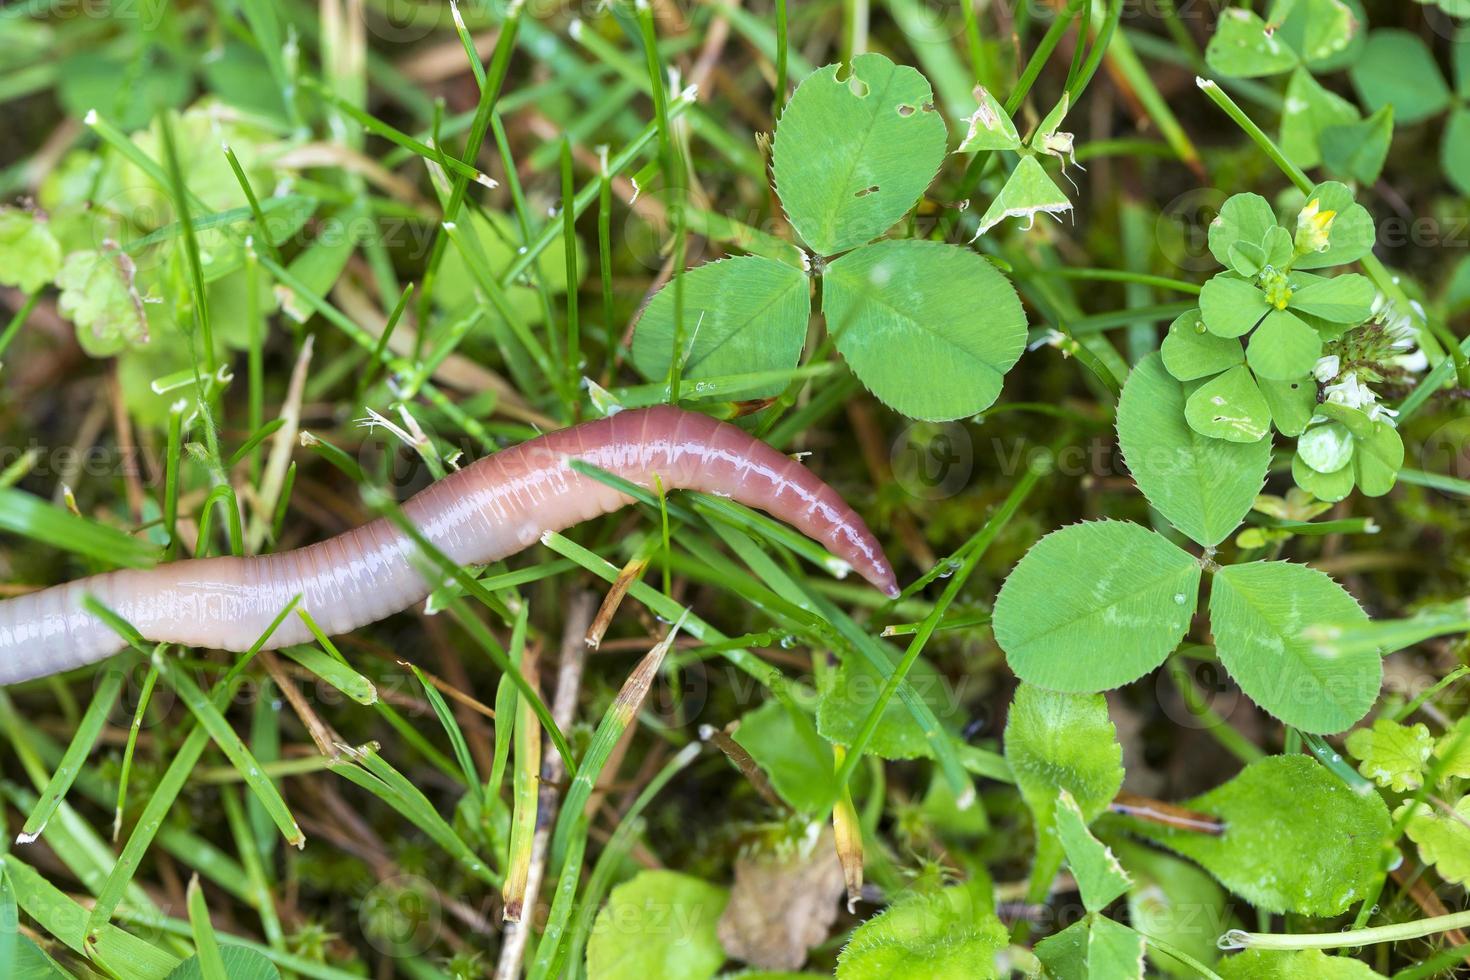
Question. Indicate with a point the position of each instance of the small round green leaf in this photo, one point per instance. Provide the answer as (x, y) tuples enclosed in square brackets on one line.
[(1242, 218), (1203, 486), (1229, 407), (790, 752), (1190, 351), (1247, 259), (741, 316), (1317, 30), (929, 328), (495, 236), (1095, 605), (1357, 150), (1392, 755), (1271, 964), (1341, 299), (1454, 150), (1331, 487), (1231, 307), (1243, 47), (1326, 448), (1397, 68), (1307, 110), (241, 963), (1259, 612), (853, 155), (658, 924), (1056, 742), (99, 296), (943, 934), (1296, 838), (847, 698), (1292, 403), (1283, 348), (1378, 460)]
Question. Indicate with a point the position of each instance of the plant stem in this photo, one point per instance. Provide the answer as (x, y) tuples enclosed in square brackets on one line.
[(1124, 275), (1398, 932)]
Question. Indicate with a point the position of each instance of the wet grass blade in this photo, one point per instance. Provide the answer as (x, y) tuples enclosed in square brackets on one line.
[(615, 721), (56, 527), (456, 735), (206, 943), (103, 701), (212, 721), (525, 794), (371, 772)]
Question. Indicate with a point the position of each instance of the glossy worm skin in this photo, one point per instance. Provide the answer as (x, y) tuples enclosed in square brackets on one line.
[(487, 511)]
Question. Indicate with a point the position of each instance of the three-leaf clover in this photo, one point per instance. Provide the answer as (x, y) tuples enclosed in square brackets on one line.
[(1097, 605), (1028, 191), (853, 153), (1398, 69), (1283, 312), (1345, 447), (1318, 126), (1312, 33)]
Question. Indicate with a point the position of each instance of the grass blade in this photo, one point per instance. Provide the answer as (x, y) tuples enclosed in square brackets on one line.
[(81, 745)]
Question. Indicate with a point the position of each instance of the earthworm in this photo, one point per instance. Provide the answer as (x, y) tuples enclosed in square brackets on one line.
[(487, 511)]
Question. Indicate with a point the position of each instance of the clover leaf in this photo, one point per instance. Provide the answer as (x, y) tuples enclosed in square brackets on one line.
[(1284, 314), (1028, 191), (1346, 448), (1398, 71), (852, 155), (1294, 32), (991, 127)]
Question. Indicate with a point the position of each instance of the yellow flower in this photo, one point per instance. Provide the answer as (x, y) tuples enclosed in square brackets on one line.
[(1313, 226)]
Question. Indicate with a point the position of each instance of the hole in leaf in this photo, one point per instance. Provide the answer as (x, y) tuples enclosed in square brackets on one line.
[(858, 87), (866, 191), (928, 106), (905, 110)]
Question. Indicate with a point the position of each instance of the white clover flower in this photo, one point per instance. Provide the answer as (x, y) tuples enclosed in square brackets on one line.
[(1327, 368), (1414, 361), (1402, 333), (1351, 392)]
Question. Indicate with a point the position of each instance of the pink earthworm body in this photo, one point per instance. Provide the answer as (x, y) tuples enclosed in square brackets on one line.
[(485, 512)]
